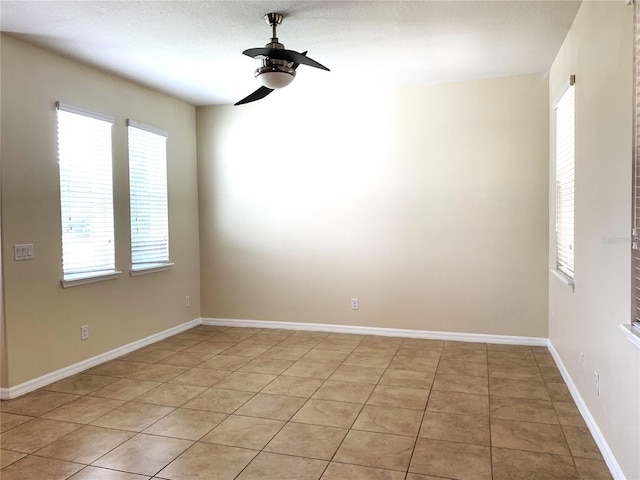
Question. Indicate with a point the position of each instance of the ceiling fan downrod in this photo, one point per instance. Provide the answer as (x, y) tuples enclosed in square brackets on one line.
[(276, 72), (273, 20)]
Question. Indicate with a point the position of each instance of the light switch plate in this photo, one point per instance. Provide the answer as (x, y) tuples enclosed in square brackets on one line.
[(23, 251)]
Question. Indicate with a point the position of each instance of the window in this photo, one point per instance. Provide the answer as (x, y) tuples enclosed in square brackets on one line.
[(565, 180), (148, 196), (635, 250), (86, 195)]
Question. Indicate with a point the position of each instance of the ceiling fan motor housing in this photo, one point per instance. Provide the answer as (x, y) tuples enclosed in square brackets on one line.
[(270, 74)]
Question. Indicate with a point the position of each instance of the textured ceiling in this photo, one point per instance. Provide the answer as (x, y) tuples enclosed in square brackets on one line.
[(192, 49)]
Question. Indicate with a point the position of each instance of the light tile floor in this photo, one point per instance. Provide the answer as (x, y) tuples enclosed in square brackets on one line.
[(239, 403)]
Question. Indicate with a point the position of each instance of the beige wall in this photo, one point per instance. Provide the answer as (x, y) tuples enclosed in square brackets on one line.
[(429, 204), (599, 51), (42, 319)]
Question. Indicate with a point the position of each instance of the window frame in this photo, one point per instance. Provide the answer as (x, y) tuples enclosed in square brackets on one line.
[(157, 171), (565, 162), (83, 272)]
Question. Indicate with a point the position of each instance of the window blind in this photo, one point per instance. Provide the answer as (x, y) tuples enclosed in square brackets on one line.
[(565, 180), (148, 196), (635, 252), (86, 192)]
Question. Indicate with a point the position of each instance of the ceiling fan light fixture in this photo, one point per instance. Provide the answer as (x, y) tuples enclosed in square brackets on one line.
[(275, 76)]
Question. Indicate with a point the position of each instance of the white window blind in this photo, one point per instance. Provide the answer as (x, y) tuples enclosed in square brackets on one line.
[(635, 252), (86, 192), (148, 196), (565, 180)]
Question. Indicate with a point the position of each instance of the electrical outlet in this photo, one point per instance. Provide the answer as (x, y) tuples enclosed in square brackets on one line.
[(596, 382), (84, 332), (581, 362), (355, 304), (187, 301)]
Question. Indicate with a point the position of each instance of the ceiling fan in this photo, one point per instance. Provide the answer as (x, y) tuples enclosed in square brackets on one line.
[(278, 64)]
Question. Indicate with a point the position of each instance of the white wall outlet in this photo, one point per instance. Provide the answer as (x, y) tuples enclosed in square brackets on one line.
[(23, 251), (581, 362), (596, 382), (187, 301), (84, 332), (355, 304)]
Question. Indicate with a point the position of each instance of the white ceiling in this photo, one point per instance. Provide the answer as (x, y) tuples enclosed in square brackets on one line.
[(193, 49)]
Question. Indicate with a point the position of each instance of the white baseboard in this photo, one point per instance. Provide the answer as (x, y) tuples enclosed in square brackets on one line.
[(607, 454), (614, 467), (49, 378), (387, 332)]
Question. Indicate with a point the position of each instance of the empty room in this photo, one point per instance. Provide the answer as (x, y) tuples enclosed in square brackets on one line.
[(386, 240)]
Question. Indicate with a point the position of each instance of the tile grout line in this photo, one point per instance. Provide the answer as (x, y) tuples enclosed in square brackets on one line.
[(352, 423), (285, 423), (424, 414)]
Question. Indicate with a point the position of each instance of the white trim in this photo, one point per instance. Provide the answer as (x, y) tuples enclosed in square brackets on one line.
[(148, 128), (77, 279), (566, 281), (34, 384), (155, 267), (607, 454), (49, 378), (570, 82), (597, 435), (65, 107), (631, 333), (386, 332)]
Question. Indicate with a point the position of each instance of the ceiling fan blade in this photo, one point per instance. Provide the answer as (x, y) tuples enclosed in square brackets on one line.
[(296, 65), (301, 58), (257, 95), (256, 52), (284, 54)]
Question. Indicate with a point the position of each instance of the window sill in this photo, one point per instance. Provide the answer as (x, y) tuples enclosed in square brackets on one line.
[(632, 333), (567, 282), (151, 268), (86, 278)]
